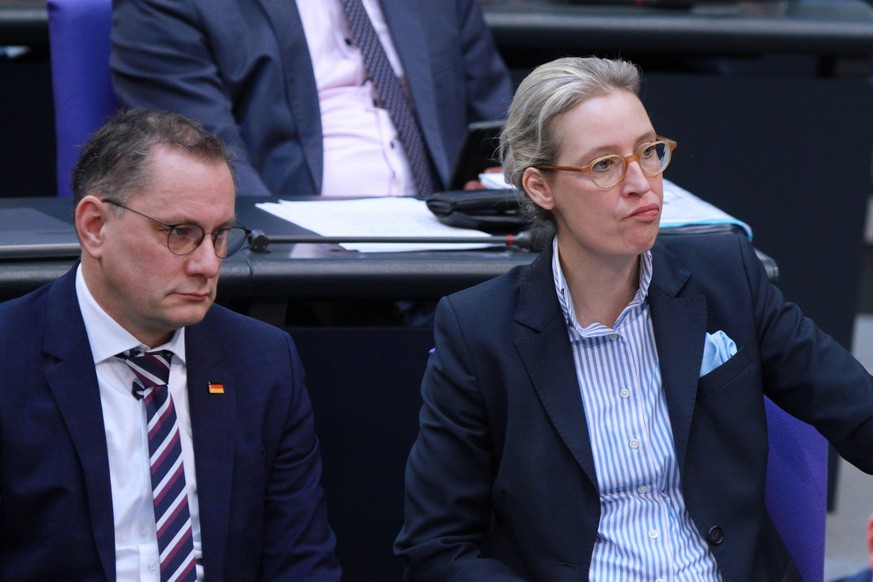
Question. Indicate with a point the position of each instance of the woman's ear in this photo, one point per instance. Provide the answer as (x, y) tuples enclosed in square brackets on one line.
[(90, 216), (538, 188)]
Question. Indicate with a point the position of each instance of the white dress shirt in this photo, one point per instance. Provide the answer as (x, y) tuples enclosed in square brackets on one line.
[(124, 421), (363, 155)]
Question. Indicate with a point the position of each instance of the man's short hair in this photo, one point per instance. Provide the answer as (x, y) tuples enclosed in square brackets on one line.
[(115, 162)]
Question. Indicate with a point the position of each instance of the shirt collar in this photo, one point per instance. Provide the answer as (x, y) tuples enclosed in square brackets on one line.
[(566, 301), (107, 337)]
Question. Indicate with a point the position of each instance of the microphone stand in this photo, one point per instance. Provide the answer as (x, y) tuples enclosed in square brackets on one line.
[(259, 242)]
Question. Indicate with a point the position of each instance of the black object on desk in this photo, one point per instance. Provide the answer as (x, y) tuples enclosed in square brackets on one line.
[(494, 211), (478, 152)]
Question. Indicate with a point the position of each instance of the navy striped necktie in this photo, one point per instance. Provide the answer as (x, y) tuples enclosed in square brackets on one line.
[(390, 93), (169, 492)]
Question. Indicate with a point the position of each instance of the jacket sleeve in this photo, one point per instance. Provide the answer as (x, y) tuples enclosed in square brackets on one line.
[(449, 473), (487, 79), (161, 59), (298, 543), (808, 373)]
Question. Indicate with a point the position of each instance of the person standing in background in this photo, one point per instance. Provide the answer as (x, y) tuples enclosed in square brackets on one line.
[(292, 87)]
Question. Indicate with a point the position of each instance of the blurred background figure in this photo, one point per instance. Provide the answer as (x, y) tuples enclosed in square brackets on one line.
[(336, 97)]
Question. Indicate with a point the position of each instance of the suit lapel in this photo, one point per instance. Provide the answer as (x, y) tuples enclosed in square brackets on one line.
[(680, 327), (73, 382), (213, 421), (408, 34), (300, 88), (547, 356)]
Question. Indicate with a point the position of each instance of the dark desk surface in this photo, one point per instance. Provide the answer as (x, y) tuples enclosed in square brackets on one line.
[(300, 271), (821, 27), (23, 22), (303, 271), (838, 27)]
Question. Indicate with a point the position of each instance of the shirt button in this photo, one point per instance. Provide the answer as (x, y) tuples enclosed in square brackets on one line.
[(624, 393), (653, 533), (634, 444), (142, 531), (715, 535), (152, 566), (643, 489)]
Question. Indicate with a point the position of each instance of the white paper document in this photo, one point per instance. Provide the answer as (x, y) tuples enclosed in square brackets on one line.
[(682, 208), (373, 217), (409, 217)]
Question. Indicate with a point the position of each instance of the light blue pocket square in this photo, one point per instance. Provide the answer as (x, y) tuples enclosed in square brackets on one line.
[(717, 349)]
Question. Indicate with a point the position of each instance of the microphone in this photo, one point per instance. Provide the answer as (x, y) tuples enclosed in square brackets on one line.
[(259, 241)]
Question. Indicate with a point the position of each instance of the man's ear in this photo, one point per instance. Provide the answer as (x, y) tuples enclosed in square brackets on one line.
[(538, 188), (90, 216)]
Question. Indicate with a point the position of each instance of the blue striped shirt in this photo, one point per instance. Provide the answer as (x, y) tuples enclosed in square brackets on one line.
[(645, 531)]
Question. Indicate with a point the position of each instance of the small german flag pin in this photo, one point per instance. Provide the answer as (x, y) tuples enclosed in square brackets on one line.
[(216, 388)]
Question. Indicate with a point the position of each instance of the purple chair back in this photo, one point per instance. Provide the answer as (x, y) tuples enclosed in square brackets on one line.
[(83, 97), (796, 495)]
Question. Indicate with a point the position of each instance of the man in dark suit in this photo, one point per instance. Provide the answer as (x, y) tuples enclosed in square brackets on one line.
[(246, 70), (146, 432)]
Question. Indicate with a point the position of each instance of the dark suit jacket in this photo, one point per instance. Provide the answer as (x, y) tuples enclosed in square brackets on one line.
[(501, 481), (242, 68), (257, 459)]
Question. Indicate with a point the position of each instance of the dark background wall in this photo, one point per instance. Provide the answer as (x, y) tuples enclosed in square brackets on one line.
[(27, 138)]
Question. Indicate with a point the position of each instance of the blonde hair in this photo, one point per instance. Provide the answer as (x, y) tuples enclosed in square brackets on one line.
[(528, 139)]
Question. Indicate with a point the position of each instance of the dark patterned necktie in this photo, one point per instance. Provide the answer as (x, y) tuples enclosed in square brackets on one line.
[(390, 93), (169, 492)]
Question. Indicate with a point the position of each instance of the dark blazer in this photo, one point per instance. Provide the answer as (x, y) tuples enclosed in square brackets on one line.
[(258, 465), (501, 484), (242, 68)]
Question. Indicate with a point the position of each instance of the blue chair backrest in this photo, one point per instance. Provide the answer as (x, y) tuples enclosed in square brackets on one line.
[(796, 494), (79, 43)]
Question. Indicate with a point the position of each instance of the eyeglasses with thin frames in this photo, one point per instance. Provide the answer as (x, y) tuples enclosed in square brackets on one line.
[(184, 238), (609, 170)]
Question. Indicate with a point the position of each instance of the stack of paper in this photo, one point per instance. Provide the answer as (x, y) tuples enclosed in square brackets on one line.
[(373, 217), (410, 217)]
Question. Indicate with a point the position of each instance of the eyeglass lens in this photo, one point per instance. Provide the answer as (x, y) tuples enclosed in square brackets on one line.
[(610, 170), (184, 238)]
